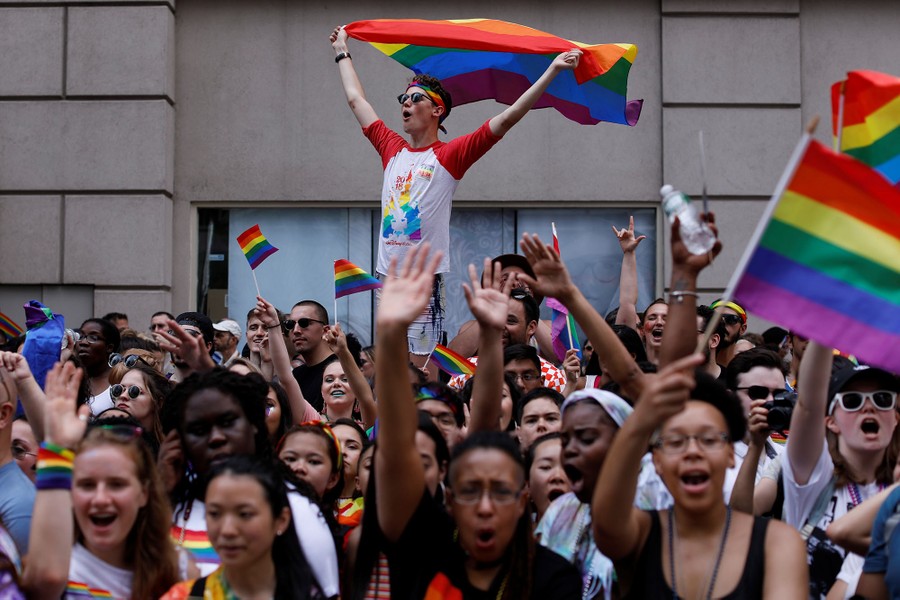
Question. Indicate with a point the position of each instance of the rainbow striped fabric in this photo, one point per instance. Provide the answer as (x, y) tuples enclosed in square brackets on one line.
[(75, 590), (871, 120), (9, 328), (255, 246), (826, 266), (350, 279), (450, 362), (479, 59)]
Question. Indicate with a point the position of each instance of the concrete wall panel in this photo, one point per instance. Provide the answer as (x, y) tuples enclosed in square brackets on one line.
[(124, 50), (746, 149), (139, 305), (113, 145), (31, 51), (731, 6), (720, 60), (30, 244), (118, 240)]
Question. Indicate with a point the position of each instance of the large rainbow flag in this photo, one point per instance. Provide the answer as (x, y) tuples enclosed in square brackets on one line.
[(870, 124), (479, 59), (255, 246), (827, 264), (350, 279)]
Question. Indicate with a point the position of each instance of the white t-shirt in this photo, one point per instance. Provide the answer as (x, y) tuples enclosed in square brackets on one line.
[(740, 451), (87, 572), (100, 402), (825, 558)]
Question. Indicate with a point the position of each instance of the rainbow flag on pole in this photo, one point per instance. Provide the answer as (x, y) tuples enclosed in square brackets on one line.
[(870, 123), (255, 246), (450, 362), (350, 279), (826, 264), (479, 59), (562, 321), (9, 328)]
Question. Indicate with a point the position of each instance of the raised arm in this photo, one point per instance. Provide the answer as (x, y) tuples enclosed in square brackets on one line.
[(628, 280), (853, 531), (281, 361), (504, 121), (337, 342), (490, 306), (680, 337), (353, 89), (31, 394), (399, 474), (553, 280), (51, 522), (620, 529), (744, 485), (805, 443)]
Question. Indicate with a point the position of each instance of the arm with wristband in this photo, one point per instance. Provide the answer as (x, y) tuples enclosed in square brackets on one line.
[(52, 520)]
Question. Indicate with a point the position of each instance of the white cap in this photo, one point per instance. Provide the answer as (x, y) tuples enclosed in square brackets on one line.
[(229, 326)]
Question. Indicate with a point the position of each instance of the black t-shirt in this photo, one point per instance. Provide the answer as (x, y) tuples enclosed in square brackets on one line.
[(426, 558), (310, 379)]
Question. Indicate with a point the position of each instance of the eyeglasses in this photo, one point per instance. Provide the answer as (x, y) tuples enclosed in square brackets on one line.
[(678, 444), (91, 338), (416, 97), (442, 419), (19, 453), (732, 319), (526, 377), (761, 392), (854, 401), (303, 323), (499, 495), (118, 389), (130, 360)]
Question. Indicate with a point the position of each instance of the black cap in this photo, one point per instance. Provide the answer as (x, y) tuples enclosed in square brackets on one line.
[(200, 321), (843, 377)]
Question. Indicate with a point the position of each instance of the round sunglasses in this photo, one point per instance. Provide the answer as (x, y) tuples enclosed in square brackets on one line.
[(118, 389)]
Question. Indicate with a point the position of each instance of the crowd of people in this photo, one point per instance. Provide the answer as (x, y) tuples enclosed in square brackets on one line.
[(279, 458)]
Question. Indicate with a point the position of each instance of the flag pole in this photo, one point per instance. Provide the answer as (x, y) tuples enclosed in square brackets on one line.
[(757, 234), (556, 247), (253, 272), (840, 124)]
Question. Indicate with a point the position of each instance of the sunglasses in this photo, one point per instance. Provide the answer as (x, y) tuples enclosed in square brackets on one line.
[(303, 323), (854, 401), (761, 392), (416, 97), (118, 389), (130, 360), (732, 319)]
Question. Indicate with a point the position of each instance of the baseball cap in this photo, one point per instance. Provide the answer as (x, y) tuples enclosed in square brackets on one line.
[(229, 326), (198, 320), (843, 377), (521, 263)]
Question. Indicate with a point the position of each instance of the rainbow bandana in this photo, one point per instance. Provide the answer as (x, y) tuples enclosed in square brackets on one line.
[(435, 97), (735, 307)]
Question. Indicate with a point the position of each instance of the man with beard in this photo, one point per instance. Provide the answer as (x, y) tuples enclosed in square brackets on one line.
[(711, 366), (735, 318)]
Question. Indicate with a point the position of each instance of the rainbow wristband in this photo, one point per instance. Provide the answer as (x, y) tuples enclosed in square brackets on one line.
[(54, 467)]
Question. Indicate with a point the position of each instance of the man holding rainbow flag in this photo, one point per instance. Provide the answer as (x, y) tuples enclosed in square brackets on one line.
[(421, 175)]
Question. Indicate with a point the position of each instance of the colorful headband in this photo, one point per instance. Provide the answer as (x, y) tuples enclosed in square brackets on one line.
[(435, 97), (735, 307), (428, 392), (325, 427)]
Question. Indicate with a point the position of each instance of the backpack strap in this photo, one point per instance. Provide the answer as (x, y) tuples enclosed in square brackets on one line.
[(198, 589), (818, 509)]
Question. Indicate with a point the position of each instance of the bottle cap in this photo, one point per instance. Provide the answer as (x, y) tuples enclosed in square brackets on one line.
[(665, 190)]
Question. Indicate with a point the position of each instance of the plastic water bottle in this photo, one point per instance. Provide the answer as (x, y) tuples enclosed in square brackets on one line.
[(696, 235)]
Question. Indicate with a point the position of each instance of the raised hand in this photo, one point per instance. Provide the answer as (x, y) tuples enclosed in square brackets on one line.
[(552, 276), (64, 426), (407, 290), (758, 422), (336, 339), (338, 37), (265, 311), (567, 60), (572, 365), (665, 393), (192, 350), (626, 238), (16, 365), (683, 259), (489, 302)]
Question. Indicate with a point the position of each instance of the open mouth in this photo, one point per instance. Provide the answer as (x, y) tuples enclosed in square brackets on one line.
[(406, 114), (870, 426), (573, 474), (484, 537), (102, 519), (555, 493), (657, 333), (337, 394)]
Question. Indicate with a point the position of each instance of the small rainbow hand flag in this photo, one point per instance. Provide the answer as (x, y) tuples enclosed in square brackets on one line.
[(451, 362), (8, 327), (350, 279), (255, 246)]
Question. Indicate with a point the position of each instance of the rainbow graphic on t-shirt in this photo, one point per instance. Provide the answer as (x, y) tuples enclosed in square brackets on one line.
[(75, 590), (198, 544), (400, 221)]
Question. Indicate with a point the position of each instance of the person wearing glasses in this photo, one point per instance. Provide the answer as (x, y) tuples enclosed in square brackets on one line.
[(493, 553), (140, 390), (841, 451), (699, 548), (735, 318), (99, 339), (307, 325), (421, 175)]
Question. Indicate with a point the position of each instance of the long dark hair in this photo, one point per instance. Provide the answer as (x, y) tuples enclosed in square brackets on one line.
[(293, 576)]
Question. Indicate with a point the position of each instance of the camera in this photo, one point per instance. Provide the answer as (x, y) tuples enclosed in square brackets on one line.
[(780, 411)]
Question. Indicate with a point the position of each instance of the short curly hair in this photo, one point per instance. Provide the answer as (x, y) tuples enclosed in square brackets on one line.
[(438, 88)]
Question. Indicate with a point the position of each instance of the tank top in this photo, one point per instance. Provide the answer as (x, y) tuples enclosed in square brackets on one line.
[(650, 581)]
